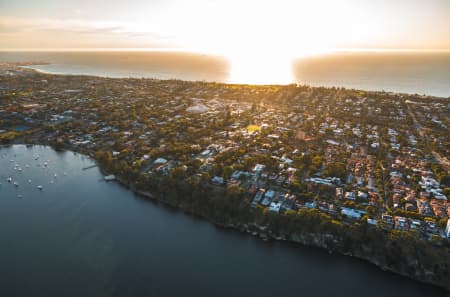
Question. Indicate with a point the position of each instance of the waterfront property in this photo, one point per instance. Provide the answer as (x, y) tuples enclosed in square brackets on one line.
[(106, 236)]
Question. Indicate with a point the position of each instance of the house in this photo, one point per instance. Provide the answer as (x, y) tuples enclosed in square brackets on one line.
[(259, 195), (160, 161), (286, 160), (310, 204), (268, 197), (217, 180), (288, 201), (259, 168), (275, 206), (352, 213), (350, 195), (372, 222), (415, 224), (388, 219), (401, 223), (362, 195), (339, 193), (205, 153), (237, 174), (431, 226)]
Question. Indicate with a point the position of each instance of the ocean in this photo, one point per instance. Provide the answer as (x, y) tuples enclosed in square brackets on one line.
[(406, 72)]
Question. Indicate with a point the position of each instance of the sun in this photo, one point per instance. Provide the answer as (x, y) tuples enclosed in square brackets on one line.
[(260, 38), (261, 50), (260, 68)]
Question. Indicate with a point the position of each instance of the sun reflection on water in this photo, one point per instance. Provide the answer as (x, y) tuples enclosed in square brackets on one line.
[(260, 68)]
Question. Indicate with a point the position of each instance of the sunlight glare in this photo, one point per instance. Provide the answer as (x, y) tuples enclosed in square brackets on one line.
[(258, 68)]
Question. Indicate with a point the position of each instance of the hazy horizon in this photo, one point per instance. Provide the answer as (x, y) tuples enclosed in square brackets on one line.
[(406, 72), (245, 32)]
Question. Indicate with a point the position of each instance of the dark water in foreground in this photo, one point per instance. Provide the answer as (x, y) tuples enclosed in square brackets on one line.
[(422, 73), (81, 236)]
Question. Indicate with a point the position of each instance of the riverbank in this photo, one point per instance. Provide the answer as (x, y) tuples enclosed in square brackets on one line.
[(118, 244), (275, 229), (325, 241)]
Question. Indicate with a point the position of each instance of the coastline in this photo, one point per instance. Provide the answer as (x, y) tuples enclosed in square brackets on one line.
[(309, 240), (265, 234), (34, 66), (232, 228), (324, 241)]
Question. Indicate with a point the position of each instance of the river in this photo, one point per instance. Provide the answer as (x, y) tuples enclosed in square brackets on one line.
[(81, 236)]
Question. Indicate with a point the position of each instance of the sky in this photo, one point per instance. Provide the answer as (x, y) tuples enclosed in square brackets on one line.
[(227, 27)]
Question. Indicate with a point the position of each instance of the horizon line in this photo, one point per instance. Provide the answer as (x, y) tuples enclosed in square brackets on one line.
[(198, 51)]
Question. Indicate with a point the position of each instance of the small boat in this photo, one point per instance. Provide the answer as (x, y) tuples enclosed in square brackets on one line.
[(55, 175), (9, 179), (16, 184), (29, 181), (110, 177), (64, 173), (40, 187)]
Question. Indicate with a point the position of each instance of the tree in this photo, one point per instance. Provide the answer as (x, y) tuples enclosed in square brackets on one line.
[(445, 180), (443, 222), (227, 171), (337, 169)]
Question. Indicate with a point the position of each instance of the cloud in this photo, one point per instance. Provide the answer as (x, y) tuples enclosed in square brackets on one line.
[(15, 24), (17, 31)]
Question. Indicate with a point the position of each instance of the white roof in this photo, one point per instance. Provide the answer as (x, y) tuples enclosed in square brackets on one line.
[(160, 161), (199, 108)]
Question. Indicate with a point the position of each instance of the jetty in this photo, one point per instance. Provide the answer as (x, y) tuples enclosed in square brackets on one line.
[(89, 167)]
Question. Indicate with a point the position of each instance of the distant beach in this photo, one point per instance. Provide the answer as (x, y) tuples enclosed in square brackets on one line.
[(421, 73)]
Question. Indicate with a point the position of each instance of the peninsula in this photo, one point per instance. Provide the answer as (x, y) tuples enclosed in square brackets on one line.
[(355, 172)]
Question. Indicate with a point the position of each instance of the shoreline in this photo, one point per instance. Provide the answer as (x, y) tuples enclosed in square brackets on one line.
[(265, 234), (258, 232), (34, 67), (312, 240)]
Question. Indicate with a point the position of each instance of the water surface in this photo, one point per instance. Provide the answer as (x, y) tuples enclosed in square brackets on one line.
[(422, 73)]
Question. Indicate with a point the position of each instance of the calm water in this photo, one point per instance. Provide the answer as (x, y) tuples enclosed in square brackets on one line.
[(81, 236), (161, 65), (423, 73)]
